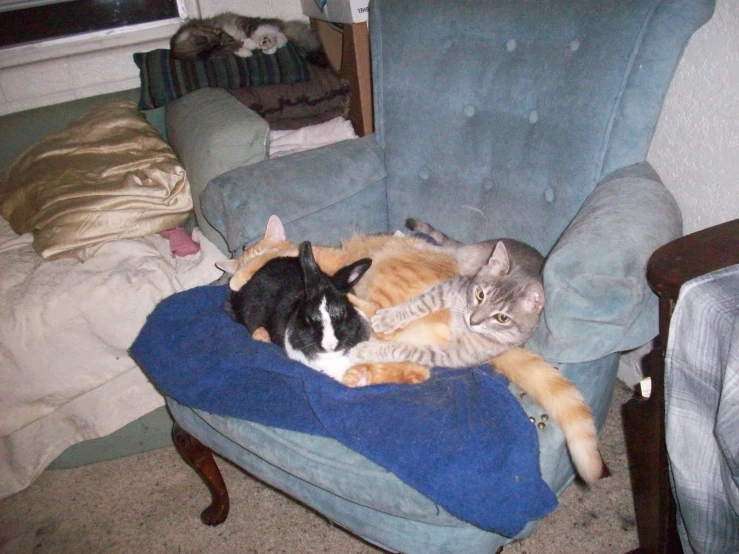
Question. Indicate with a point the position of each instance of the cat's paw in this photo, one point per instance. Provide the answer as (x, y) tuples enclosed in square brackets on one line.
[(365, 352), (357, 376), (261, 334), (388, 320), (244, 52)]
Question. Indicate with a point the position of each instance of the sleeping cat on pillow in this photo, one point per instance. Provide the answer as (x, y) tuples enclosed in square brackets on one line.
[(456, 304), (229, 33)]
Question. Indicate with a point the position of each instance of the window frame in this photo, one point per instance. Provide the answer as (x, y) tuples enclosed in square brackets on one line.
[(95, 41)]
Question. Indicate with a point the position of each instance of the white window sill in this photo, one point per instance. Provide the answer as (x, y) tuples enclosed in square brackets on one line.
[(85, 43)]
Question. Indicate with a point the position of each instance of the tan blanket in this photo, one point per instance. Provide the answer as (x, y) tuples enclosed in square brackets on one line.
[(107, 176)]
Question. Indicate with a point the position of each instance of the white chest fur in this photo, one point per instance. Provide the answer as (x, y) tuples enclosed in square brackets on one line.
[(334, 364)]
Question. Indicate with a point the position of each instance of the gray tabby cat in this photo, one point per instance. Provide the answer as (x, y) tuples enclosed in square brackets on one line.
[(495, 305), (229, 33)]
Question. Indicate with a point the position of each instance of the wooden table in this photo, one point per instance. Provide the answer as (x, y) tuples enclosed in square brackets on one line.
[(669, 268)]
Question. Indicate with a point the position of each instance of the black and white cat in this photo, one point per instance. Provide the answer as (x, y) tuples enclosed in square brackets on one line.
[(304, 310), (229, 33)]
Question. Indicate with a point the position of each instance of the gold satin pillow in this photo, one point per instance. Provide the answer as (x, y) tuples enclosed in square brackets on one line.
[(107, 176)]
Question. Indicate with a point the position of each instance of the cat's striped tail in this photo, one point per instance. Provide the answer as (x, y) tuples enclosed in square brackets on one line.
[(561, 399)]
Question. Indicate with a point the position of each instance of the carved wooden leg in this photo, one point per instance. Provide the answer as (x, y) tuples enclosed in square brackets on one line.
[(200, 458)]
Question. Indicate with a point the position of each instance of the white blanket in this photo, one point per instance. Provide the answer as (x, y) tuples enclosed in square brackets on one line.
[(65, 328), (282, 143)]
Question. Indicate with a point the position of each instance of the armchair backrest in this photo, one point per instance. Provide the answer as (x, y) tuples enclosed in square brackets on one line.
[(500, 117)]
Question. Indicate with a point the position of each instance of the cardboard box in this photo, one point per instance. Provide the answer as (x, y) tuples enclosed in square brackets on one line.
[(338, 11)]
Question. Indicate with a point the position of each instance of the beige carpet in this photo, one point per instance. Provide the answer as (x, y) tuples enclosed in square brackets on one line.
[(151, 503)]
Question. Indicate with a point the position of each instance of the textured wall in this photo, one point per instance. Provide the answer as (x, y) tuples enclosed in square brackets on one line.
[(286, 9), (696, 146)]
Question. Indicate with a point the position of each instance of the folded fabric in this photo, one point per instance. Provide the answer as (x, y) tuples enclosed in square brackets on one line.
[(293, 105), (165, 78), (107, 176), (702, 411), (180, 242), (459, 438), (282, 143), (65, 329)]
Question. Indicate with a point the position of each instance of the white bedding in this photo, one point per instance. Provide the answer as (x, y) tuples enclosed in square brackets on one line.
[(282, 143), (65, 328)]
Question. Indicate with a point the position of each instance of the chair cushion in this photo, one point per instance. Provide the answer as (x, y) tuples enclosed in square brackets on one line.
[(598, 299), (212, 133), (459, 438), (164, 78), (349, 175)]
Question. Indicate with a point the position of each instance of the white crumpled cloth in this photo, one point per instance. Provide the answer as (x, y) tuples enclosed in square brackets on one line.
[(65, 330), (282, 143)]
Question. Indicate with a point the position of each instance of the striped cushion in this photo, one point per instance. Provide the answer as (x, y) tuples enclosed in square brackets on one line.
[(164, 78)]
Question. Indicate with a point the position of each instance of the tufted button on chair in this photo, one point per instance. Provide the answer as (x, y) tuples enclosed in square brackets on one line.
[(494, 118)]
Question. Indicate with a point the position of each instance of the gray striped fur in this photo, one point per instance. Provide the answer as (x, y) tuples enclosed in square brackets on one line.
[(495, 305)]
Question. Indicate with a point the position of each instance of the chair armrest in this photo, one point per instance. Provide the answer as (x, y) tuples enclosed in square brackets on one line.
[(319, 194), (598, 298), (212, 133)]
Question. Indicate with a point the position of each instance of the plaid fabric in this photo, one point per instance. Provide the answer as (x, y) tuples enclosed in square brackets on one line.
[(164, 78), (702, 413)]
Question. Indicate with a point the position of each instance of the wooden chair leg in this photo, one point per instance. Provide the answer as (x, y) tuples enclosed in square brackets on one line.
[(200, 458)]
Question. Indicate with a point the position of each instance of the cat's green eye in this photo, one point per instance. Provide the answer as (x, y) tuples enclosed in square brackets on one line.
[(479, 294), (502, 318)]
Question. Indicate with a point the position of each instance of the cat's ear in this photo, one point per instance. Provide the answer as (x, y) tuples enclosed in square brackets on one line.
[(312, 274), (229, 266), (275, 231), (345, 279), (499, 261), (533, 297)]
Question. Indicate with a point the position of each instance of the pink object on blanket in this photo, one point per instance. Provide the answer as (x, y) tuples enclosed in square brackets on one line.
[(180, 242)]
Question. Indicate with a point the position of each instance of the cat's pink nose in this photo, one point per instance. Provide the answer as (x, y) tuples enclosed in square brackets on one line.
[(476, 319)]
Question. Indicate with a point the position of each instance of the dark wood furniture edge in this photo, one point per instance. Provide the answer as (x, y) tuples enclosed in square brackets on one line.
[(676, 263), (356, 68), (668, 269), (348, 52), (200, 458)]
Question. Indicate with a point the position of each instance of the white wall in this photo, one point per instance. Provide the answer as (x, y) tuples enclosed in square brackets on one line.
[(286, 9), (696, 146)]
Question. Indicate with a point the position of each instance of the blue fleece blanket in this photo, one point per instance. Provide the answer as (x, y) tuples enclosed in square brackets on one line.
[(460, 438)]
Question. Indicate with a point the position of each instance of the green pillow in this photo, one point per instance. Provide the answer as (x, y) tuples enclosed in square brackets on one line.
[(164, 78)]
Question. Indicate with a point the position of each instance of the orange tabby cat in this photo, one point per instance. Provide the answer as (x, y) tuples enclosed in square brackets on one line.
[(404, 267)]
